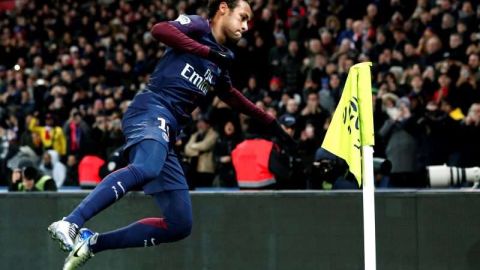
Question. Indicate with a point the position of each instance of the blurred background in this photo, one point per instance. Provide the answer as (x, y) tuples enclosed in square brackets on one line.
[(68, 70)]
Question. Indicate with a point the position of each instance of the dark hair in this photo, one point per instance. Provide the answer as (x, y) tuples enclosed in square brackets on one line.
[(213, 6), (30, 173)]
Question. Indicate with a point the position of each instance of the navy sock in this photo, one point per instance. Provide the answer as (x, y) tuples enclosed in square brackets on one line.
[(175, 225), (146, 162)]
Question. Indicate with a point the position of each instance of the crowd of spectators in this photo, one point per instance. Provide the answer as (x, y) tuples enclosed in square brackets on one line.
[(68, 70)]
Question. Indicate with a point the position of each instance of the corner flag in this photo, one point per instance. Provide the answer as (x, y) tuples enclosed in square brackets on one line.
[(352, 123)]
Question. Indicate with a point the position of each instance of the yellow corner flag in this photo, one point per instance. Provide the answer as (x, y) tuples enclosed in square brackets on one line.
[(352, 123)]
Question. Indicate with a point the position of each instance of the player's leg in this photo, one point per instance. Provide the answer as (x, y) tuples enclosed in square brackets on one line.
[(175, 225), (146, 162)]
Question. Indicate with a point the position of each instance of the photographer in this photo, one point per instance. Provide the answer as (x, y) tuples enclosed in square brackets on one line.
[(30, 179), (331, 172)]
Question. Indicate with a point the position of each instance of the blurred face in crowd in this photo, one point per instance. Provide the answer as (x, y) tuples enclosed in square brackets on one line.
[(71, 160), (77, 118), (27, 183), (252, 83), (320, 61), (444, 80), (358, 27), (380, 37), (467, 7), (202, 126), (293, 47), (416, 84), (455, 41), (280, 41), (433, 45), (315, 46), (448, 21), (110, 104), (49, 121), (334, 81), (229, 128), (473, 61), (312, 100), (409, 50), (47, 159), (326, 37), (101, 122), (266, 14), (372, 10), (425, 17), (292, 106), (474, 112)]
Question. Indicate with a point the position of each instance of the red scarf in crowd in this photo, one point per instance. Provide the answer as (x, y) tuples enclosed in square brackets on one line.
[(73, 136)]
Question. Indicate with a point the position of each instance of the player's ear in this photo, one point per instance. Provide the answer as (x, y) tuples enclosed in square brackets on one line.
[(223, 8)]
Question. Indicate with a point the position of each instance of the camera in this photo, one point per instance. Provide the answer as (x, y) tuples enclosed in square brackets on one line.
[(445, 176)]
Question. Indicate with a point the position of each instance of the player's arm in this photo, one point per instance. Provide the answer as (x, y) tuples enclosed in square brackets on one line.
[(179, 35), (236, 100), (239, 102)]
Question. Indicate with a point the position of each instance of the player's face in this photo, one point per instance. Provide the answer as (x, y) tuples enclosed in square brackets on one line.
[(236, 22)]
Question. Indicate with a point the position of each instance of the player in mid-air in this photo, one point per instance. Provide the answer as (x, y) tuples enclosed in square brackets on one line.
[(195, 62)]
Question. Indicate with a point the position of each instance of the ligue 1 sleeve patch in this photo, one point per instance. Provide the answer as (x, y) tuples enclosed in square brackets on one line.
[(182, 19)]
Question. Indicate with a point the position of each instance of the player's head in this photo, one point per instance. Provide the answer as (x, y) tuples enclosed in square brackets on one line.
[(231, 16)]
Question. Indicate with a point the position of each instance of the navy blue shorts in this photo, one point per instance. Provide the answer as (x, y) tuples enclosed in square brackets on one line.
[(155, 124)]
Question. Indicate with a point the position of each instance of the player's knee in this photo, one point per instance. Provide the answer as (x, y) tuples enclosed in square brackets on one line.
[(183, 227)]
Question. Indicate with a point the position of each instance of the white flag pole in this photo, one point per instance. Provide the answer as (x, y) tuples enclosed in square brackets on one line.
[(368, 208)]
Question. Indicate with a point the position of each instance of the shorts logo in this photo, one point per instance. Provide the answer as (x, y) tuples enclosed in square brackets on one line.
[(182, 19), (164, 127)]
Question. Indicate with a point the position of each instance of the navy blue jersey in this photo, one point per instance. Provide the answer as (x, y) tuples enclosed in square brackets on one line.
[(180, 79)]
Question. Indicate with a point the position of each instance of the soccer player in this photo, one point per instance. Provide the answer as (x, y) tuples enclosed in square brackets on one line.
[(195, 62)]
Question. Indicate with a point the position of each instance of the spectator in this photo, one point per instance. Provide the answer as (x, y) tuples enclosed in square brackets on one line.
[(51, 135), (200, 151), (291, 65), (89, 171), (401, 133), (256, 162), (77, 134), (30, 179), (289, 158), (312, 113), (469, 146), (71, 178), (252, 91), (53, 167), (229, 138)]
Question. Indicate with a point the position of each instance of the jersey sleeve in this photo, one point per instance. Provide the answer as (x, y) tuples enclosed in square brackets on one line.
[(191, 25), (180, 34), (235, 99)]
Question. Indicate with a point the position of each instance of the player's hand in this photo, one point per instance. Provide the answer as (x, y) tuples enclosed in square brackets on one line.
[(16, 176), (223, 59)]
